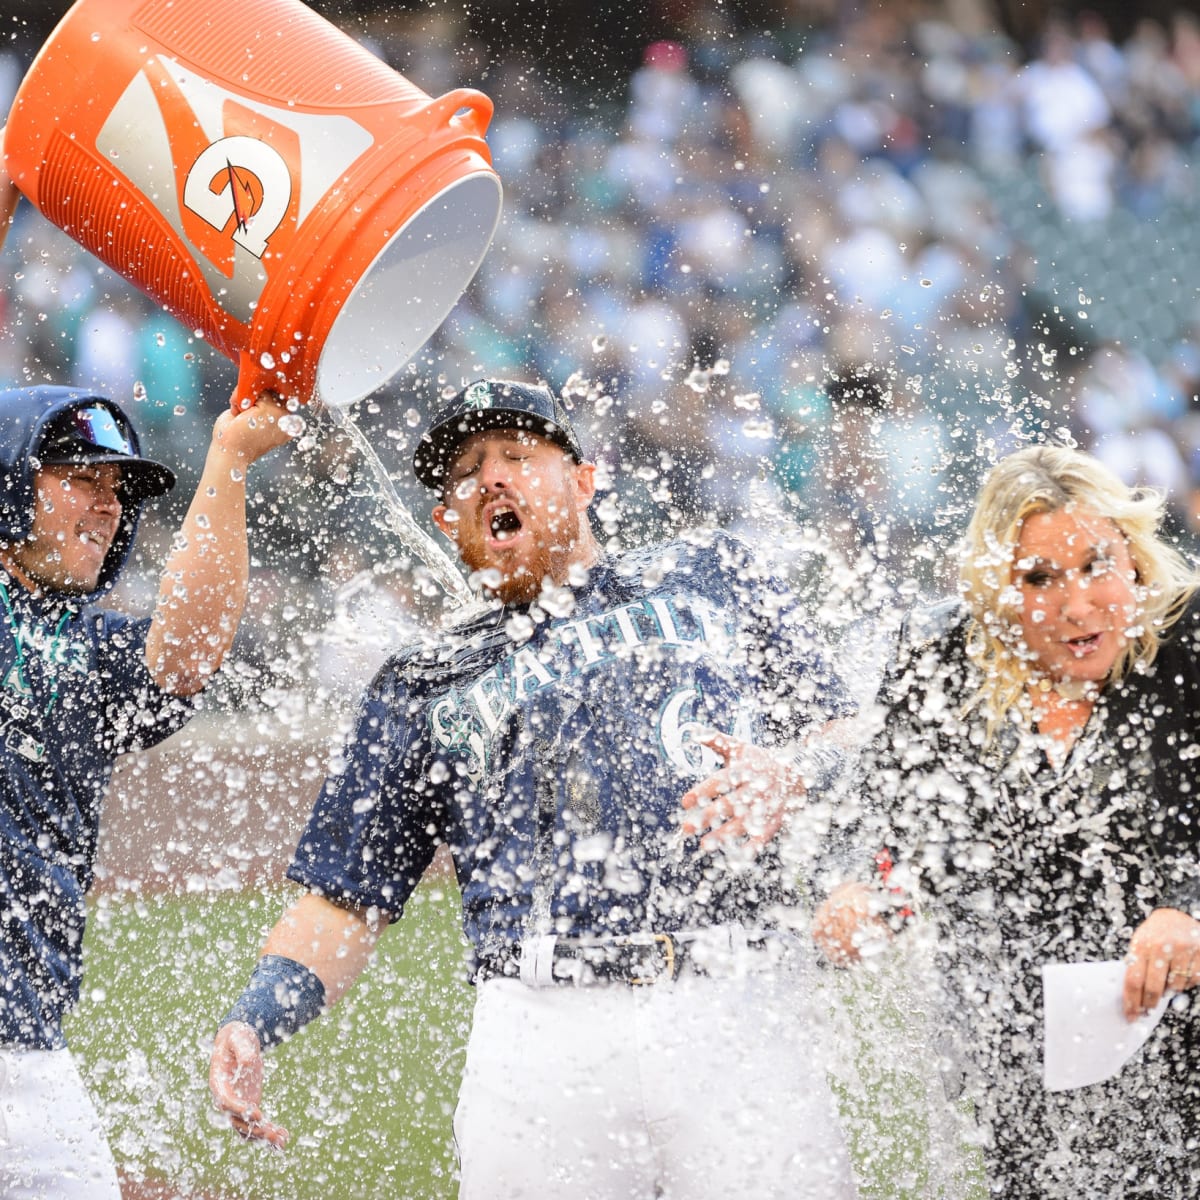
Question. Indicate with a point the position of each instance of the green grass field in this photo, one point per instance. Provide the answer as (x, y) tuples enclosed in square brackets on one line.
[(368, 1092)]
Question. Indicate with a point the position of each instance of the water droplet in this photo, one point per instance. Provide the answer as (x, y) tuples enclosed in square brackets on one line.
[(519, 627), (412, 418), (340, 474), (927, 283), (266, 361), (202, 520), (95, 37), (698, 380), (599, 342), (179, 410), (139, 391), (292, 424), (160, 339)]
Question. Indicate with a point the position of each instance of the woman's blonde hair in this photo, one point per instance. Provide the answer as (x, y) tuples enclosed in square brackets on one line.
[(1046, 479)]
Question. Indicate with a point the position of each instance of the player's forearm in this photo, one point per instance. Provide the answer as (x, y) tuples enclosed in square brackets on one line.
[(203, 588), (333, 942)]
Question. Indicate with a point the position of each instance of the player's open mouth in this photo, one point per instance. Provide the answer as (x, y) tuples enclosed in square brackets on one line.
[(1082, 646), (504, 523)]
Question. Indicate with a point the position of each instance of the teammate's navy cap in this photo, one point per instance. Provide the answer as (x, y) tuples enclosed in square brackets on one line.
[(490, 404), (96, 432)]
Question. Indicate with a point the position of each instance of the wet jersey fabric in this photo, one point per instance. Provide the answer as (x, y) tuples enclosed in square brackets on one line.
[(550, 750), (1022, 862), (74, 694)]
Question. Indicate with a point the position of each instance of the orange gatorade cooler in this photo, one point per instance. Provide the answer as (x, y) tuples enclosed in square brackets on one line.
[(264, 178)]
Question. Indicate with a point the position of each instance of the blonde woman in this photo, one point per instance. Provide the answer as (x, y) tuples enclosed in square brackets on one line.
[(1038, 772)]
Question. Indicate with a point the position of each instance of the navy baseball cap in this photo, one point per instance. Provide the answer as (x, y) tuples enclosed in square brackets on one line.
[(490, 404), (95, 432)]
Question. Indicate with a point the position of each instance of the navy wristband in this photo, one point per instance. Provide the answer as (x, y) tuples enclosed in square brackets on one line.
[(281, 997)]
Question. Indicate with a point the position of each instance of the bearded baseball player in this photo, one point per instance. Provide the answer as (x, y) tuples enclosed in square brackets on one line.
[(614, 750)]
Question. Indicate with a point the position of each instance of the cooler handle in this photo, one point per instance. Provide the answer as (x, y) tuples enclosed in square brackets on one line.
[(464, 106)]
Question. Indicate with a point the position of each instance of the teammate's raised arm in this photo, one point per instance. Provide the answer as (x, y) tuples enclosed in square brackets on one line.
[(203, 588)]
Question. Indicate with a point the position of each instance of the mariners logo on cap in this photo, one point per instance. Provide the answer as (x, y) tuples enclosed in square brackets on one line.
[(478, 395)]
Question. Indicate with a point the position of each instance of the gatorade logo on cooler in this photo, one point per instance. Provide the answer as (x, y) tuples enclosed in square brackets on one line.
[(234, 176), (251, 196)]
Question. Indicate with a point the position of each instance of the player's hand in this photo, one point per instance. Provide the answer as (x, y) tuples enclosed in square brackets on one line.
[(1164, 956), (746, 801), (845, 924), (253, 432), (235, 1078)]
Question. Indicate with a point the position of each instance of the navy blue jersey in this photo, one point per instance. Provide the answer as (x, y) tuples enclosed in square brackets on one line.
[(74, 694), (550, 752)]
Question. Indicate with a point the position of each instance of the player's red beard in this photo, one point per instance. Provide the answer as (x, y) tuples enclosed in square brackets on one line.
[(546, 554)]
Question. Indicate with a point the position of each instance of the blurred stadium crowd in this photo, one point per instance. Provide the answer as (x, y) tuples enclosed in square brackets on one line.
[(806, 284)]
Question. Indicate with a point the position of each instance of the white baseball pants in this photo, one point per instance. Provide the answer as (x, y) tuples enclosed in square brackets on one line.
[(700, 1089), (52, 1145)]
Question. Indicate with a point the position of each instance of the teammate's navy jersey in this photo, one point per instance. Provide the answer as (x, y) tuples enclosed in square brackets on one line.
[(74, 694), (550, 752)]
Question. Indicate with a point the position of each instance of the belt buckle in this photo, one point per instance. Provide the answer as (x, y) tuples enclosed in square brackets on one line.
[(669, 959)]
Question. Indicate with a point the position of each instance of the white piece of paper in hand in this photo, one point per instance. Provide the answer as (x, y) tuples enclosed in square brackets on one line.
[(1087, 1038)]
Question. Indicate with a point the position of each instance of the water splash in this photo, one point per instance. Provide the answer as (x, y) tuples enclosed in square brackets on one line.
[(413, 537)]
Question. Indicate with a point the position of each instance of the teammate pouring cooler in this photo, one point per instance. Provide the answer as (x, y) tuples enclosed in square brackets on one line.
[(612, 751)]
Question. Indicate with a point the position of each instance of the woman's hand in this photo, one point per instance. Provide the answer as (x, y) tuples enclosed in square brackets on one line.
[(845, 923), (1164, 956)]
